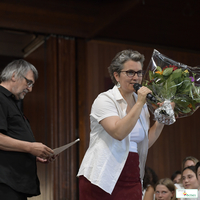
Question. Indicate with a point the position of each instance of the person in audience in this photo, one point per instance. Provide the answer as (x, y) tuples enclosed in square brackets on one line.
[(197, 169), (189, 161), (149, 181), (176, 177), (165, 190), (189, 178)]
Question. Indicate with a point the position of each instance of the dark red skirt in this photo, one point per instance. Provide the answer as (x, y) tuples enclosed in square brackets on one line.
[(128, 186)]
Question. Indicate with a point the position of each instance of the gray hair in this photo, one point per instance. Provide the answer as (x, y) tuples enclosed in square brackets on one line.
[(118, 61), (19, 67)]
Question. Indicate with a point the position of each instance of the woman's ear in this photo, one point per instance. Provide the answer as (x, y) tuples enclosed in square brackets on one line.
[(173, 193), (116, 75)]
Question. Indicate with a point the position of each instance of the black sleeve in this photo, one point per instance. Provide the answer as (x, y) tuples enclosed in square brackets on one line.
[(3, 119)]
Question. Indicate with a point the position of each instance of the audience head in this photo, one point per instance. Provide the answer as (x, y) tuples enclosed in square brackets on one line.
[(189, 161), (165, 190), (176, 177), (119, 60), (189, 178), (197, 169), (150, 177)]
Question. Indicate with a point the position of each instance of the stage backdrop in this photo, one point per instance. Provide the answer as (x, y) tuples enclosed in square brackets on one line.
[(72, 72)]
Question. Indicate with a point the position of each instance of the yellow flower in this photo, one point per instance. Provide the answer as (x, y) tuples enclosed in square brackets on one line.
[(158, 72), (186, 71), (190, 105)]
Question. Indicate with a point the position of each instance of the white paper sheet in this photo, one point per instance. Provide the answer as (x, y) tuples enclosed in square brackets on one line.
[(62, 148)]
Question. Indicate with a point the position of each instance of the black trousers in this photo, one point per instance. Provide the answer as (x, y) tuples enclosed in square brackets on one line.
[(7, 193)]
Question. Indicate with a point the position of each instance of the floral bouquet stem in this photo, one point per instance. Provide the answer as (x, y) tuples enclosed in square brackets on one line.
[(165, 113)]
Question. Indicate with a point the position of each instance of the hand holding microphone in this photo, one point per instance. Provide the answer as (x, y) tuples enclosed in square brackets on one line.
[(137, 86)]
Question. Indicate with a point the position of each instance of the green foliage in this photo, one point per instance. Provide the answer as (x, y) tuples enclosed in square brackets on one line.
[(167, 71), (175, 85)]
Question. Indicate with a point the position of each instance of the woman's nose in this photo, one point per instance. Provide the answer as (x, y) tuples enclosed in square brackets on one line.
[(186, 180), (160, 195)]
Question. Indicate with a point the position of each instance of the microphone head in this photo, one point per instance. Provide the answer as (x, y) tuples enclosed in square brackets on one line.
[(137, 86)]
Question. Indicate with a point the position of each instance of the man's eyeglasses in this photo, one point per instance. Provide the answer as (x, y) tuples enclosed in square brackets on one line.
[(131, 73), (29, 82)]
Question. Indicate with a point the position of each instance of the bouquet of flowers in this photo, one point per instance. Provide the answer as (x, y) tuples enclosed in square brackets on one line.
[(171, 81)]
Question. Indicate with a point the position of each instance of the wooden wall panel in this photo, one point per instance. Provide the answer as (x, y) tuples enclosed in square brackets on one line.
[(35, 107), (51, 110), (83, 104), (176, 141), (67, 119)]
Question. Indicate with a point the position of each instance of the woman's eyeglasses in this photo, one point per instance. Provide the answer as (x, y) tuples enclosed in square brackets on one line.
[(131, 73)]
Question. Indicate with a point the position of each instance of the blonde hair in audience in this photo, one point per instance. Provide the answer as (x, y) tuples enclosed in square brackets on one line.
[(195, 160), (168, 183)]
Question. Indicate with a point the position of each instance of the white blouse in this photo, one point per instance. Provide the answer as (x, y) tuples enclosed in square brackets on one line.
[(106, 156)]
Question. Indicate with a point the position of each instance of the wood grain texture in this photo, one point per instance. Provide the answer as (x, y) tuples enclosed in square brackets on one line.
[(51, 108)]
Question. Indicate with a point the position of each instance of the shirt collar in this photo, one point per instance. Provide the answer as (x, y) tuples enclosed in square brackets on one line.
[(118, 95), (7, 93)]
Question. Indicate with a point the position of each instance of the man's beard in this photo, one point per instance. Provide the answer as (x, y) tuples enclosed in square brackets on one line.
[(22, 95)]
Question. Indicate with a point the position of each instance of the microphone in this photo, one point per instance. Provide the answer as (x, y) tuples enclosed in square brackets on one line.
[(137, 86)]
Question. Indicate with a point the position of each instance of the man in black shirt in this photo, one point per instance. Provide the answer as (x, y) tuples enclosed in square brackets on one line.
[(18, 149)]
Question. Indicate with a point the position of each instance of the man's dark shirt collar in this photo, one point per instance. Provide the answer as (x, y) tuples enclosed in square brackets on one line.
[(8, 93)]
